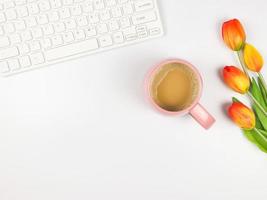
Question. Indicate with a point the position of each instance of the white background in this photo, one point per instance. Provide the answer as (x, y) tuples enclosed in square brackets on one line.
[(82, 129)]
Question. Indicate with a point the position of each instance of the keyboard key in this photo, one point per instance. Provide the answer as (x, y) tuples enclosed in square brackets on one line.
[(46, 43), (22, 11), (20, 2), (37, 58), (9, 28), (105, 15), (154, 31), (31, 21), (144, 18), (125, 22), (37, 32), (64, 13), (88, 7), (79, 34), (70, 24), (53, 16), (9, 4), (105, 41), (4, 41), (122, 1), (90, 31), (4, 67), (15, 38), (25, 61), (116, 12), (102, 28), (99, 4), (68, 37), (2, 17), (67, 2), (129, 31), (55, 3), (141, 31), (35, 46), (14, 64), (59, 27), (33, 8), (118, 37), (110, 2), (76, 10), (20, 25), (82, 21), (93, 18), (31, 1), (42, 19), (131, 37), (72, 49), (11, 14), (26, 36), (1, 31), (127, 9), (24, 49), (113, 25), (57, 40), (44, 5), (142, 5), (142, 34), (48, 29)]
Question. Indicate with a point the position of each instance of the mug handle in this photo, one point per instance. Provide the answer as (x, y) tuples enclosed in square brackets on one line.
[(202, 116)]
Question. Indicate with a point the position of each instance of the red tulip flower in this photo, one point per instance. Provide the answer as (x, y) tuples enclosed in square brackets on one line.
[(243, 116), (233, 34), (236, 79)]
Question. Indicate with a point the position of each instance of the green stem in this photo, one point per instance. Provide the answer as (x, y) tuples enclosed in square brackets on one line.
[(263, 137), (257, 103), (263, 81), (241, 60)]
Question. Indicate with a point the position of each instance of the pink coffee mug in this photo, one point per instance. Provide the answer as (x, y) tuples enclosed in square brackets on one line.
[(197, 111)]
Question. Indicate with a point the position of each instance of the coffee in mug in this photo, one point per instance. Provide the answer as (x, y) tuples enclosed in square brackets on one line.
[(174, 87)]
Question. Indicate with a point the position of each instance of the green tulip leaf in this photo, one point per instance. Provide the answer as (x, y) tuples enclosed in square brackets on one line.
[(261, 119), (257, 139), (257, 94), (263, 90), (258, 123), (263, 132)]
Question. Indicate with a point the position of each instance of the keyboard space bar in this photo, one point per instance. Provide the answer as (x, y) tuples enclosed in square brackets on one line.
[(71, 49)]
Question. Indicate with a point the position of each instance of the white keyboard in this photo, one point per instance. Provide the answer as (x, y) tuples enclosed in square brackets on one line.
[(35, 33)]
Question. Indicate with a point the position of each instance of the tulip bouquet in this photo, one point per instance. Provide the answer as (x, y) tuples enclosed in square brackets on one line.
[(248, 81)]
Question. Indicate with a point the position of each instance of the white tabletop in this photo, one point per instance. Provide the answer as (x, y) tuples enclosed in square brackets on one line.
[(82, 129)]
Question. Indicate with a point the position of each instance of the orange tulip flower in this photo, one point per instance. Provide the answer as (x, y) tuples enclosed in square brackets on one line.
[(243, 116), (253, 58), (236, 79), (233, 34)]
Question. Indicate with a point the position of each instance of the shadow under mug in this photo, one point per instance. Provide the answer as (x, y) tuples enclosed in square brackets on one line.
[(196, 110)]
